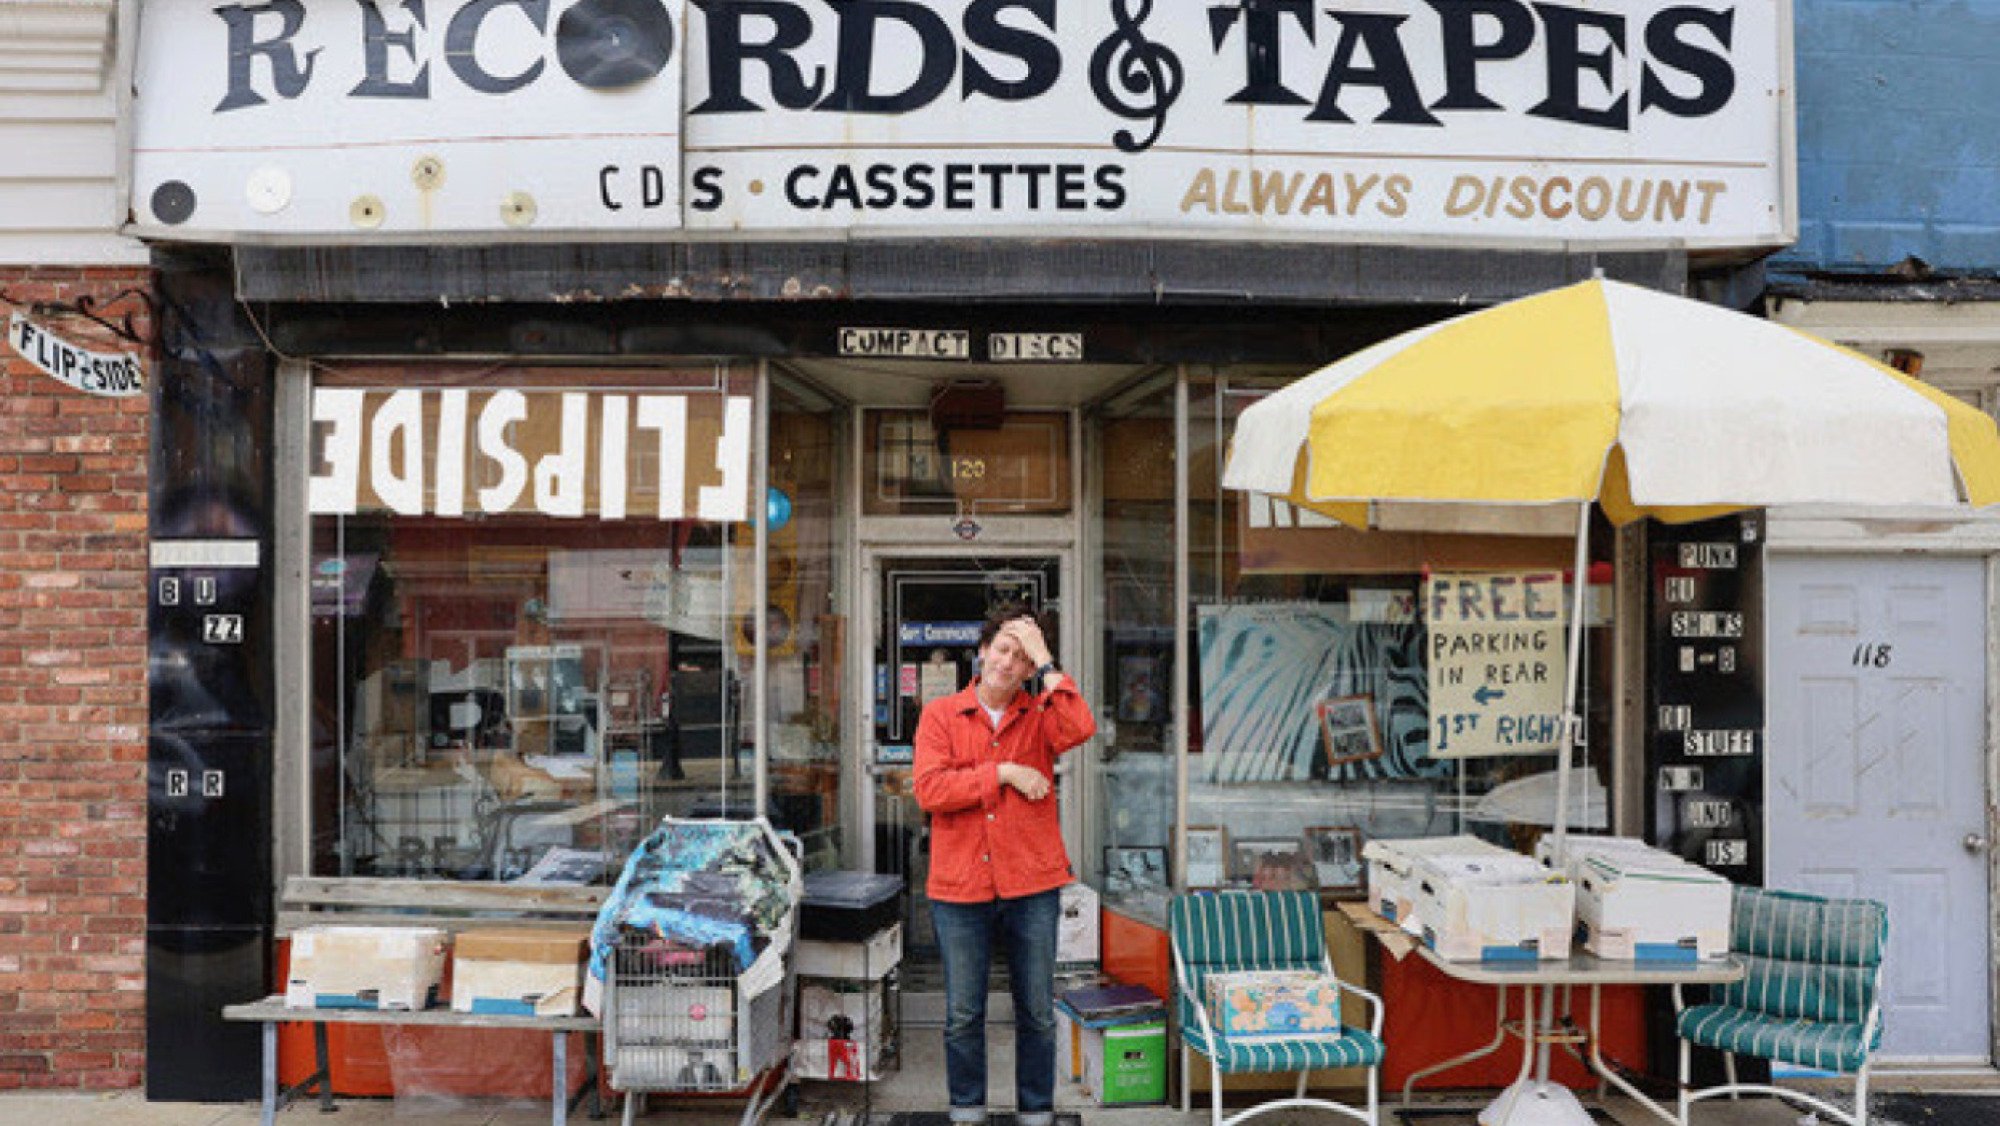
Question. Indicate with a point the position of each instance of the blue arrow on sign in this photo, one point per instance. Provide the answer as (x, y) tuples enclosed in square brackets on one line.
[(1486, 695)]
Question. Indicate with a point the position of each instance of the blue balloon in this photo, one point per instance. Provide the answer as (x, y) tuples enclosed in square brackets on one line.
[(777, 508)]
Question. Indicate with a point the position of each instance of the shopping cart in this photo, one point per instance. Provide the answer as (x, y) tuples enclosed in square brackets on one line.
[(696, 966)]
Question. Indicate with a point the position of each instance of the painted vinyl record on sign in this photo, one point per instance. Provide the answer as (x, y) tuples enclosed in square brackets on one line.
[(606, 44)]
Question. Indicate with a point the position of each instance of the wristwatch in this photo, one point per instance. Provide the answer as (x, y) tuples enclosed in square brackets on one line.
[(1047, 669)]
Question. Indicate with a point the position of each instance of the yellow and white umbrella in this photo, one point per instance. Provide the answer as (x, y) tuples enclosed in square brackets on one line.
[(1650, 404), (1646, 403)]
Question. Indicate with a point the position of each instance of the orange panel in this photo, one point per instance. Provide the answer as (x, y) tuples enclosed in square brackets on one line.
[(1137, 953), (1430, 1017), (370, 1059)]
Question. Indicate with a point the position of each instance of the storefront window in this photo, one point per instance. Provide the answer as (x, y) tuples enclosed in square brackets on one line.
[(1135, 783), (528, 615), (807, 624), (1324, 665)]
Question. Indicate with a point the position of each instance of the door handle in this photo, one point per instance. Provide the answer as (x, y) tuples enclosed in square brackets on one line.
[(1975, 843)]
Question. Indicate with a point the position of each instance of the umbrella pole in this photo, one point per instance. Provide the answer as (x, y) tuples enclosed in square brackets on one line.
[(1571, 722)]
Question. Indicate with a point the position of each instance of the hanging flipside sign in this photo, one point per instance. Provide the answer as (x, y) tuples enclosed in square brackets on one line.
[(111, 374), (455, 452), (1496, 661)]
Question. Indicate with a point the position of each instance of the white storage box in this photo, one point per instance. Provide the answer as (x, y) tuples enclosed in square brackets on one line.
[(1494, 908), (1652, 908), (1391, 891), (1580, 848), (336, 967), (853, 961)]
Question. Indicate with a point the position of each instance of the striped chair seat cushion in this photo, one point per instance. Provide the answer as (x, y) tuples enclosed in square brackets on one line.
[(1808, 1043), (1355, 1049)]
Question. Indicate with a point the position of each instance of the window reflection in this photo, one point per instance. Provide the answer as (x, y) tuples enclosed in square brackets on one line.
[(521, 690), (1312, 728), (1136, 776)]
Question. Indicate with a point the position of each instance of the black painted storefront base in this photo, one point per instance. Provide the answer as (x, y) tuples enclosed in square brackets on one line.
[(192, 1055)]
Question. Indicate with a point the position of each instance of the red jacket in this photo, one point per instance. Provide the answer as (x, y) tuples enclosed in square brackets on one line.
[(987, 841)]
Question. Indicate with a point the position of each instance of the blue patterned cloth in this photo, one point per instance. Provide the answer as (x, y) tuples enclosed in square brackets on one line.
[(699, 884)]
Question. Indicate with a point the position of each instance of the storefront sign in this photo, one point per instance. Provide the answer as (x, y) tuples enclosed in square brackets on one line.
[(1035, 347), (449, 452), (114, 375), (1705, 694), (949, 634), (1496, 662), (1651, 122), (907, 343)]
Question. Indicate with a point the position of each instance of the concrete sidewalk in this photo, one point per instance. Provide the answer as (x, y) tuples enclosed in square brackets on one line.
[(917, 1086), (131, 1109)]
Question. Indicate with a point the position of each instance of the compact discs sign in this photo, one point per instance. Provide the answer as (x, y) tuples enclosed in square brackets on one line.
[(1495, 651), (110, 374), (1505, 121)]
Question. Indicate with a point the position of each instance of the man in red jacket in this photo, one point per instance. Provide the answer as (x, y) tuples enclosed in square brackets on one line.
[(985, 765)]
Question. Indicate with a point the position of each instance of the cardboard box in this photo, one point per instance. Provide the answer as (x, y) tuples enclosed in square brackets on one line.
[(1084, 1015), (1494, 908), (1268, 1006), (1652, 908), (855, 961), (1391, 864), (335, 967), (1126, 1064), (519, 970), (1078, 940), (1069, 1047)]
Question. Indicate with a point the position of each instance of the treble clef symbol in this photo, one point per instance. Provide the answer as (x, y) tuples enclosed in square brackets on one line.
[(1147, 75)]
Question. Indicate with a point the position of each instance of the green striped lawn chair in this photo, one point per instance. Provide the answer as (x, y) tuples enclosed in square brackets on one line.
[(1260, 930), (1811, 996)]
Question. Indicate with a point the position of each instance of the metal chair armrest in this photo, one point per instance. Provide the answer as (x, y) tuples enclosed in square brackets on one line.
[(1375, 1024), (1200, 1010)]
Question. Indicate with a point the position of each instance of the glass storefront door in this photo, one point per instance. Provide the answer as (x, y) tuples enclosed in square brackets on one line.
[(928, 614)]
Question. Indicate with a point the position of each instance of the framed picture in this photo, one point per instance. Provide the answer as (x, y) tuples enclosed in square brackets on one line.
[(1130, 868), (1207, 856), (1335, 851), (1272, 863), (1140, 695), (1347, 729), (548, 699)]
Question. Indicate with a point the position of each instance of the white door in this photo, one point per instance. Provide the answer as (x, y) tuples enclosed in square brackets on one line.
[(1877, 783)]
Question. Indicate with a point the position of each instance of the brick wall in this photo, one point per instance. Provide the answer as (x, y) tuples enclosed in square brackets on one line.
[(72, 699)]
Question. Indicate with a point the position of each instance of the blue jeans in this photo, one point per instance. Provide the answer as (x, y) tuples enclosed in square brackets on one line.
[(966, 934)]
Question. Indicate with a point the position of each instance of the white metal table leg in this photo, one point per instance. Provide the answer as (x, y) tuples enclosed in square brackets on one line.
[(1499, 1038)]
